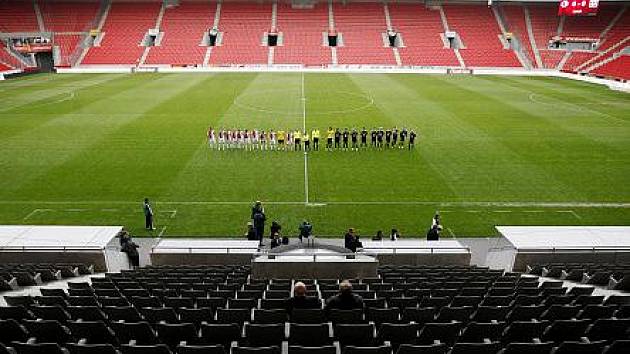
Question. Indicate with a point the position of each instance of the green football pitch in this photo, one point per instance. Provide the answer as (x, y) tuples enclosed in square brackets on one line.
[(86, 149)]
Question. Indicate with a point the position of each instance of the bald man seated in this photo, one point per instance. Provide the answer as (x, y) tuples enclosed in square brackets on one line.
[(345, 300), (300, 300)]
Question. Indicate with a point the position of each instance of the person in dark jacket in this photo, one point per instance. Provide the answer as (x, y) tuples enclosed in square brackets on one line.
[(345, 300), (257, 208), (306, 230), (148, 215), (130, 248), (300, 300), (251, 232), (434, 233), (259, 225), (351, 240)]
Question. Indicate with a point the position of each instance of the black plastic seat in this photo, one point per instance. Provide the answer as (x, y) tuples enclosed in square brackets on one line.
[(48, 331), (11, 330), (618, 347), (560, 312), (444, 332), (490, 313), (422, 349), (325, 349), (220, 333), (93, 332), (17, 313), (201, 349), (378, 316), (196, 316), (264, 335), (525, 313), (145, 349), (86, 313), (397, 333), (38, 348), (527, 348), (238, 316), (180, 302), (312, 316), (594, 312), (146, 301), (309, 335), (461, 314), (577, 347), (475, 348), (420, 315), (523, 331), (82, 301), (159, 314), (609, 329), (367, 350), (256, 350), (346, 316), (91, 348), (123, 313), (565, 330), (355, 334), (242, 303), (477, 332), (54, 312), (172, 334), (141, 332)]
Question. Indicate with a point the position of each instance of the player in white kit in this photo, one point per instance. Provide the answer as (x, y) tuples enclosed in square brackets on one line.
[(263, 140), (272, 140), (212, 139)]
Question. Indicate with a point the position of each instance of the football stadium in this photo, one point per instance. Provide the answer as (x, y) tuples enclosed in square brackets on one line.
[(314, 177)]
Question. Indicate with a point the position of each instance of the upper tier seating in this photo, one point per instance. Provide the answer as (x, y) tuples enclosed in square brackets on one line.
[(243, 26), (617, 68), (362, 27), (515, 22), (544, 23), (65, 16), (18, 16), (303, 40), (124, 30), (421, 29), (590, 26), (479, 31), (183, 26)]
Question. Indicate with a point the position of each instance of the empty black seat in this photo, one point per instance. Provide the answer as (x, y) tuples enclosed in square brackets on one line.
[(525, 312), (17, 313), (38, 348), (141, 332), (172, 334), (398, 334), (490, 313), (367, 350), (565, 330), (220, 333), (420, 315), (576, 347), (123, 313), (594, 312), (145, 349), (91, 348), (325, 349), (238, 316), (196, 316), (560, 312), (309, 335), (264, 335), (461, 314), (11, 330), (477, 332), (355, 334), (48, 331), (527, 348), (476, 348), (308, 316), (55, 312), (378, 316), (523, 331), (345, 316), (422, 349), (256, 350), (609, 329), (86, 313), (159, 314), (444, 332), (618, 347), (201, 349), (93, 332)]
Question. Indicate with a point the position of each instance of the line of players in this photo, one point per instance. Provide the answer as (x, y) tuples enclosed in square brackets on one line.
[(336, 139)]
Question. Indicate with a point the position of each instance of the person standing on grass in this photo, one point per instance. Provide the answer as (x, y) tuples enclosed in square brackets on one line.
[(345, 136), (315, 137), (412, 139), (388, 138), (355, 137), (329, 139), (337, 138), (297, 137), (394, 137), (379, 137), (364, 134), (307, 141), (148, 215), (403, 137), (373, 134)]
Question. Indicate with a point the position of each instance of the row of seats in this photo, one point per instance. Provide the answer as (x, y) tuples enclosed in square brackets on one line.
[(14, 275), (617, 68), (615, 276)]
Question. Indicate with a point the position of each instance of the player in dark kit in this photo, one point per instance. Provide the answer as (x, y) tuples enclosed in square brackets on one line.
[(364, 137), (394, 137), (345, 135), (379, 137), (412, 139), (373, 134), (354, 136), (403, 137), (337, 138), (388, 137)]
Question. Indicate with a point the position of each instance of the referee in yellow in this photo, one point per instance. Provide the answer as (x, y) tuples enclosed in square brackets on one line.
[(315, 137), (329, 138)]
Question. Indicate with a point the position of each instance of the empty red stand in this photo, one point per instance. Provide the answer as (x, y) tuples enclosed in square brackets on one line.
[(576, 59), (551, 58), (9, 59), (18, 16), (64, 16), (243, 26), (303, 39), (589, 26), (124, 29), (617, 68), (544, 21), (183, 27), (619, 32), (4, 67), (67, 44), (479, 31), (420, 29), (514, 16), (362, 26)]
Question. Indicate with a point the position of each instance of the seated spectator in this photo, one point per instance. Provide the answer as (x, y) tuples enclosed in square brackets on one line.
[(351, 240), (251, 232), (300, 300), (345, 300), (130, 248)]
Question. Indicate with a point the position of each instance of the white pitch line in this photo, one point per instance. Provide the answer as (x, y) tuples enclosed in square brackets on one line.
[(617, 205), (303, 99), (162, 231), (35, 211)]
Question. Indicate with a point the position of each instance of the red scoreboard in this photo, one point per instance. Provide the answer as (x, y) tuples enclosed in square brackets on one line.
[(578, 7)]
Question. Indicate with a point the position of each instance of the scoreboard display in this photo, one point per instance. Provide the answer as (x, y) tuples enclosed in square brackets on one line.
[(578, 7)]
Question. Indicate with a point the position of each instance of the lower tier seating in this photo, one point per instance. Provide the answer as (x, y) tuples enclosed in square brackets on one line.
[(617, 68)]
